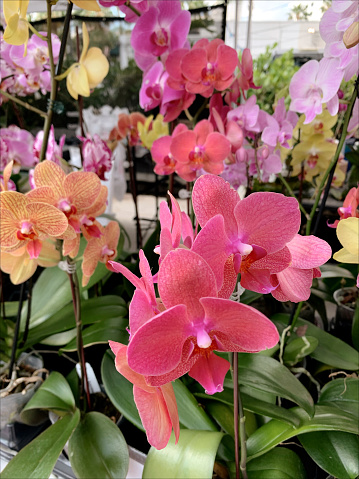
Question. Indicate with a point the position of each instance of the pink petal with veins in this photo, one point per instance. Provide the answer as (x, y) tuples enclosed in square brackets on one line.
[(210, 372)]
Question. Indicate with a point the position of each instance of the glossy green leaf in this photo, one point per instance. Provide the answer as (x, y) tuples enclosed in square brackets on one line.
[(330, 350), (334, 271), (249, 296), (101, 332), (355, 326), (256, 406), (37, 459), (267, 374), (342, 393), (223, 415), (92, 311), (191, 414), (193, 457), (297, 349), (54, 394), (97, 449), (326, 418), (119, 390), (334, 451), (11, 308), (50, 293), (280, 463)]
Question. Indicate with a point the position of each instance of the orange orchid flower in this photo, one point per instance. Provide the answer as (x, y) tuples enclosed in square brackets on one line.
[(26, 222), (21, 267), (6, 176), (73, 194), (100, 249), (127, 128)]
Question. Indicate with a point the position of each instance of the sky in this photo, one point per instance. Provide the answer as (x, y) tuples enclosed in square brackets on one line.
[(272, 10)]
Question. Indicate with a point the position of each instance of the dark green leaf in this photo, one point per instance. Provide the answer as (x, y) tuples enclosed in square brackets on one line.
[(193, 457), (249, 296), (297, 349), (330, 350), (223, 415), (37, 459), (326, 418), (119, 390), (280, 463), (334, 271), (11, 308), (355, 326), (54, 394), (342, 393), (101, 332), (334, 451), (97, 449)]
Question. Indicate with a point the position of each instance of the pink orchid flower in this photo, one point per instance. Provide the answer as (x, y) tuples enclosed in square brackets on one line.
[(140, 5), (279, 129), (195, 323), (54, 150), (349, 208), (246, 115), (160, 30), (153, 82), (16, 144), (200, 148), (231, 130), (294, 283), (251, 233), (174, 102), (209, 66), (97, 155), (157, 406), (245, 80), (161, 152), (314, 84)]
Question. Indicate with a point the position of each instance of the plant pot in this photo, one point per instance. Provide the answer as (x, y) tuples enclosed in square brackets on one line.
[(342, 324), (11, 403)]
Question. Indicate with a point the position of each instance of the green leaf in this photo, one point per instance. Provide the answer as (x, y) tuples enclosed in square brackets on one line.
[(256, 406), (267, 374), (297, 349), (334, 451), (193, 457), (50, 293), (191, 414), (223, 415), (11, 308), (280, 463), (330, 350), (101, 332), (355, 326), (92, 311), (119, 390), (334, 271), (97, 449), (326, 418), (342, 393), (37, 459), (249, 296), (54, 394)]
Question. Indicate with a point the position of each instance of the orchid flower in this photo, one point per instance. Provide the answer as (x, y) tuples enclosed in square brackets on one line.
[(90, 5), (97, 155), (195, 323), (151, 130), (349, 208), (245, 80), (17, 28), (89, 72), (100, 250), (127, 127), (161, 152), (348, 234), (157, 406)]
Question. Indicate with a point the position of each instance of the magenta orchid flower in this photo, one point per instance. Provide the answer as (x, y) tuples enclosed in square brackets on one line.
[(245, 80), (314, 84), (161, 152), (195, 323), (160, 30), (294, 283), (16, 144), (53, 151), (97, 156), (140, 5), (153, 82), (157, 406), (251, 233), (200, 148)]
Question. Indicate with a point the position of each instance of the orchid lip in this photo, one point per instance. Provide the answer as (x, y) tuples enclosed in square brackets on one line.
[(203, 339)]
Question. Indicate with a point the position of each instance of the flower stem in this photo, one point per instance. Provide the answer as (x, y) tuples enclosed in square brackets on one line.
[(335, 158), (134, 193), (33, 29), (291, 193), (54, 82), (239, 425), (131, 7), (23, 103), (16, 330)]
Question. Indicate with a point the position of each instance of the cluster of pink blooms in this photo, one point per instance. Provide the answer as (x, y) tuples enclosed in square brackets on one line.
[(178, 331), (318, 82), (25, 75), (96, 155)]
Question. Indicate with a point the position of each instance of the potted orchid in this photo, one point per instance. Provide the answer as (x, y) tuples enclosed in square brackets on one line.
[(216, 384)]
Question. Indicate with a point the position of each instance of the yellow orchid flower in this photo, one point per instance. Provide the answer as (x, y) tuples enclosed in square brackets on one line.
[(90, 5), (314, 154), (17, 27), (348, 234), (322, 124), (89, 72), (151, 130)]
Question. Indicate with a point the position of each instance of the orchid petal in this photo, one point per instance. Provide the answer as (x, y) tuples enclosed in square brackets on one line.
[(97, 67), (210, 372)]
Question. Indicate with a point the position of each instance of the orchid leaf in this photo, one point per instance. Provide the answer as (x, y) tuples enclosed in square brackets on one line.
[(119, 390), (97, 448), (280, 463), (100, 332), (342, 393), (326, 418), (92, 311), (330, 350), (266, 374), (297, 349), (38, 458), (355, 326), (334, 451), (193, 457), (334, 271), (11, 308)]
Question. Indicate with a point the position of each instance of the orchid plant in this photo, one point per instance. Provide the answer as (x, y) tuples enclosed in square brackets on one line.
[(198, 362)]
